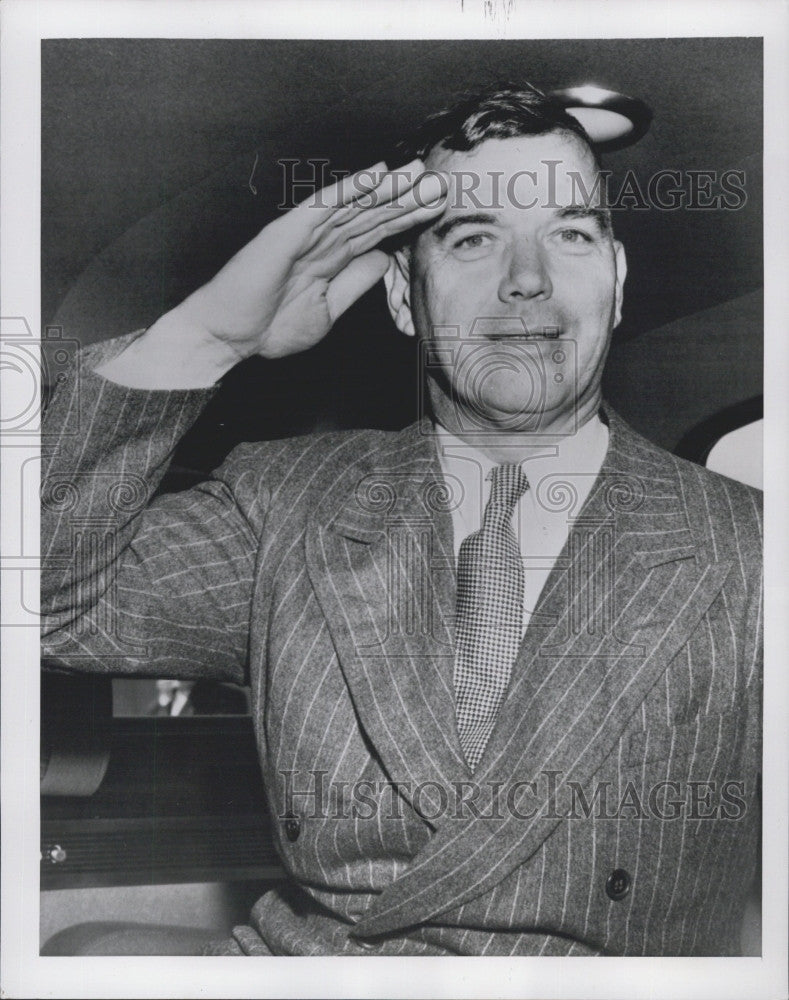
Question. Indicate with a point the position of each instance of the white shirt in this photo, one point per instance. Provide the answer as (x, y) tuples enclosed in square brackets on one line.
[(545, 512)]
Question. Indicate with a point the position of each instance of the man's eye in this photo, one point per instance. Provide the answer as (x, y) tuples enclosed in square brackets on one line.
[(574, 236), (473, 241)]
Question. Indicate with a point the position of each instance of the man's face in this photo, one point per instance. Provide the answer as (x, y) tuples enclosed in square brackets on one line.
[(516, 275)]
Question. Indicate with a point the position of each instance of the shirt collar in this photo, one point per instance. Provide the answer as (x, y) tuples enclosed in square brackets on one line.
[(581, 453)]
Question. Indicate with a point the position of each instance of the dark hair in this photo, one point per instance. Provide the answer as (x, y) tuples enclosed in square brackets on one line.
[(497, 112)]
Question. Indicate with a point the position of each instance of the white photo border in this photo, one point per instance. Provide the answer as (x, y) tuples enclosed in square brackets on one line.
[(24, 972)]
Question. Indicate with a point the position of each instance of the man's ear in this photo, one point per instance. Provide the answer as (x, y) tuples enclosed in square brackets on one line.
[(621, 274), (398, 290)]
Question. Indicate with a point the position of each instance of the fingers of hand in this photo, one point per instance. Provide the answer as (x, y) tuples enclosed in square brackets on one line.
[(372, 189), (312, 218), (409, 203), (328, 200), (401, 191), (396, 222), (364, 202), (298, 231), (391, 185), (328, 256), (352, 282)]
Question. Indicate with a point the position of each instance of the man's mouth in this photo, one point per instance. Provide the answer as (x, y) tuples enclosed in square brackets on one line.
[(512, 329), (540, 333)]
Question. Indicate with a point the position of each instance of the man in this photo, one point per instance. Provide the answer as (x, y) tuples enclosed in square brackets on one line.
[(504, 664)]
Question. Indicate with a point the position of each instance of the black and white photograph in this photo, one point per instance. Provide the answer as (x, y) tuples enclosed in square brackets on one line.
[(403, 404)]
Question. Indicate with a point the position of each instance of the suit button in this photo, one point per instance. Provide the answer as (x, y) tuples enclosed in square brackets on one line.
[(292, 828), (617, 885), (366, 945)]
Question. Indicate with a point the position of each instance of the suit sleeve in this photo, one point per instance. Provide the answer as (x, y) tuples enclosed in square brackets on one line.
[(130, 585)]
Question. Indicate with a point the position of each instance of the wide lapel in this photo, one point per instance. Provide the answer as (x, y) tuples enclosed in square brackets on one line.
[(380, 558), (625, 593)]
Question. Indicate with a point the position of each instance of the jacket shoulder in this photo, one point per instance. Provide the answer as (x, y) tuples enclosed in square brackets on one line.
[(294, 473), (724, 512)]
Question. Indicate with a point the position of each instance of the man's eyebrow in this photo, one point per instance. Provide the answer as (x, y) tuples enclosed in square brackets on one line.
[(474, 218), (599, 215)]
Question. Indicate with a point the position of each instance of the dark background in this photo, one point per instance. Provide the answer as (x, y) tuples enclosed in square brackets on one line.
[(148, 150)]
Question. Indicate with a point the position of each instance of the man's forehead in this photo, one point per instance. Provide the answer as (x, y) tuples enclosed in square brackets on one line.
[(555, 168)]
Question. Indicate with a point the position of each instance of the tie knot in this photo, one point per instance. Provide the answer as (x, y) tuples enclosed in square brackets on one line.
[(508, 484)]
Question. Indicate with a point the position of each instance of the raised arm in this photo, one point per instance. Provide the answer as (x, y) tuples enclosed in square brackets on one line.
[(284, 290), (129, 586), (164, 587)]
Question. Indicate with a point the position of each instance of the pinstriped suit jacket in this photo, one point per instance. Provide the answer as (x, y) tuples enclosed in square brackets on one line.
[(320, 571)]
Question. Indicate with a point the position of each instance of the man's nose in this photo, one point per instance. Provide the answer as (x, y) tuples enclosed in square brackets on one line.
[(525, 276)]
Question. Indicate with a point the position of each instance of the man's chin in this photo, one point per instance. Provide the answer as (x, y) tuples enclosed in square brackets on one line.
[(514, 415)]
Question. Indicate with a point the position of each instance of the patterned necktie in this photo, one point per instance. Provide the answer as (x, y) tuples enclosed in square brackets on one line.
[(489, 613)]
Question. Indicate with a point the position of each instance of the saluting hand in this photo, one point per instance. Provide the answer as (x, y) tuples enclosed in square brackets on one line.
[(283, 291)]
